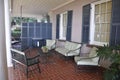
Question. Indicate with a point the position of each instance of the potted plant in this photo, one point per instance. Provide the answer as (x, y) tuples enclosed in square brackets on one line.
[(112, 54), (44, 49)]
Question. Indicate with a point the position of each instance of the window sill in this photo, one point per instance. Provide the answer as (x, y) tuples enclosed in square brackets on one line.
[(93, 45)]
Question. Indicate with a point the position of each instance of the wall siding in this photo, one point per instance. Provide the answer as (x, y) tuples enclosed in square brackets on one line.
[(76, 6)]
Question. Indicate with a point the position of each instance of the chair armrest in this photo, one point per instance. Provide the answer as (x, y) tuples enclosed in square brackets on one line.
[(53, 46)]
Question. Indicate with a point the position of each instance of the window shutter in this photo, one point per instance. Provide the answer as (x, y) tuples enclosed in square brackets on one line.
[(69, 25), (86, 23), (57, 25), (115, 23)]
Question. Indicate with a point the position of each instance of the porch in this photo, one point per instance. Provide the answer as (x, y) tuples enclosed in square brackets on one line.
[(79, 27)]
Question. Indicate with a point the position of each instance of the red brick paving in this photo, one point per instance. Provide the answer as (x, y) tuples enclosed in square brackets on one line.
[(58, 69)]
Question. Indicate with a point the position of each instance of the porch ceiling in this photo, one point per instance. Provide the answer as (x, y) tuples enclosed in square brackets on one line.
[(35, 7)]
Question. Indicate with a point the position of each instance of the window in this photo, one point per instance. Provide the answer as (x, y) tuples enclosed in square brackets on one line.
[(63, 25), (100, 22)]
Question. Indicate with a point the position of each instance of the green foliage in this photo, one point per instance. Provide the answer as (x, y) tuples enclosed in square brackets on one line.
[(104, 51), (18, 20), (17, 30), (111, 53), (113, 73), (16, 34)]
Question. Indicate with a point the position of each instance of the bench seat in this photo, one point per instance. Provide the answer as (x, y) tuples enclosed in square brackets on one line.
[(69, 49)]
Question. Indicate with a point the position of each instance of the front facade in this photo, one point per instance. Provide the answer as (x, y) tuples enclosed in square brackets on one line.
[(93, 22), (76, 7)]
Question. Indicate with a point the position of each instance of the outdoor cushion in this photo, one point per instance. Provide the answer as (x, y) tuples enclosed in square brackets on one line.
[(71, 45), (62, 50), (93, 52), (70, 49), (50, 44)]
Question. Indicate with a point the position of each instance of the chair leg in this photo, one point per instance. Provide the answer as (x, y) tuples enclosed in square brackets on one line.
[(76, 68), (27, 71), (38, 68), (66, 58), (13, 64)]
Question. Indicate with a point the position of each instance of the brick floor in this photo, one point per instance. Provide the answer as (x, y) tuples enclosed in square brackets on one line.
[(56, 68)]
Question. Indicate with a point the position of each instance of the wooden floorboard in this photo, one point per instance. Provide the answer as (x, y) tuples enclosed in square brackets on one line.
[(55, 68)]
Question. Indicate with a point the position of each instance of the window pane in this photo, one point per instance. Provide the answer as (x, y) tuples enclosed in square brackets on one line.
[(97, 36), (97, 9), (97, 28), (107, 37), (103, 37), (103, 7), (102, 18), (103, 28), (97, 18), (64, 19), (64, 25), (108, 28), (109, 6), (64, 31), (108, 17)]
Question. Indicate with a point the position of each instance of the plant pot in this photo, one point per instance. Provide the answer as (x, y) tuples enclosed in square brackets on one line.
[(44, 49)]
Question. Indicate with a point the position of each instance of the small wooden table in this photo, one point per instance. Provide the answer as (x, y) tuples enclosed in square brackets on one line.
[(45, 56)]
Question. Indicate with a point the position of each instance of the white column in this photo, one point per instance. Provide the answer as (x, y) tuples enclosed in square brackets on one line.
[(7, 32), (3, 58)]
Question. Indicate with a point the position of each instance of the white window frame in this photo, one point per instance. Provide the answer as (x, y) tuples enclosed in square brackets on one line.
[(61, 26), (92, 24)]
